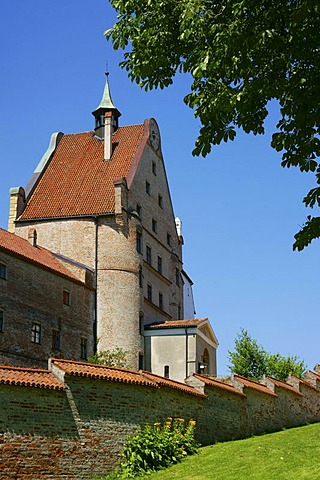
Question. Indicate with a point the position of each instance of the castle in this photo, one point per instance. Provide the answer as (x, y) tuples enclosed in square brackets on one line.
[(93, 256)]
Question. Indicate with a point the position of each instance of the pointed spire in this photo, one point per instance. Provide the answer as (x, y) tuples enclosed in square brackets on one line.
[(106, 100), (106, 105)]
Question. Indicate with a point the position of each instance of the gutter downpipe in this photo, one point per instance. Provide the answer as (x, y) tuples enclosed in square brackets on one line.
[(187, 351), (95, 323)]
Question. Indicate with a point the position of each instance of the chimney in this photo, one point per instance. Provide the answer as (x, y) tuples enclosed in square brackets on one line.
[(120, 194), (17, 199), (32, 237), (108, 131)]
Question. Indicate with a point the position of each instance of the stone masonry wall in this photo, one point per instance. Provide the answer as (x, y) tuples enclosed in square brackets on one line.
[(24, 300), (79, 433)]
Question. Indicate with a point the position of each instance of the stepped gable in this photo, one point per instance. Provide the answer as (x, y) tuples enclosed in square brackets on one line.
[(101, 372), (40, 256), (78, 181), (214, 382), (286, 386), (176, 324), (254, 385), (29, 377), (167, 382)]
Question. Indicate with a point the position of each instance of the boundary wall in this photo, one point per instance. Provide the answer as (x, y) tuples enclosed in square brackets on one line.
[(71, 421)]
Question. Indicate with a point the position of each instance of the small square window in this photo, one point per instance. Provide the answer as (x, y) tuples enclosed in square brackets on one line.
[(148, 188), (154, 168), (139, 241), (1, 321), (159, 264), (149, 292), (83, 348), (160, 301), (36, 333), (3, 271), (66, 297), (56, 338), (148, 254), (169, 239), (160, 200), (154, 225)]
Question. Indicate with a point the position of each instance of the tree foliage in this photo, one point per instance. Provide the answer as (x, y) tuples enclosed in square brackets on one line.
[(252, 361), (240, 55), (116, 357)]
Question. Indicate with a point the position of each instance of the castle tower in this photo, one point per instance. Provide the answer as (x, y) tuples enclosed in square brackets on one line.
[(101, 199)]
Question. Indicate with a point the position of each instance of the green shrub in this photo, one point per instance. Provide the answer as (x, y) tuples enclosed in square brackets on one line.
[(111, 358), (155, 447)]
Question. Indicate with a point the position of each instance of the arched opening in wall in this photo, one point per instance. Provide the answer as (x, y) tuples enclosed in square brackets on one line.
[(205, 362)]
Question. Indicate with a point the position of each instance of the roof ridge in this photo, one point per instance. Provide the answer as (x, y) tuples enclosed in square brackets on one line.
[(30, 254), (249, 379), (24, 369), (171, 383), (145, 372), (207, 379), (95, 365)]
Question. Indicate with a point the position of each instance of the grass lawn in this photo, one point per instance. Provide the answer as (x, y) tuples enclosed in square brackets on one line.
[(287, 455)]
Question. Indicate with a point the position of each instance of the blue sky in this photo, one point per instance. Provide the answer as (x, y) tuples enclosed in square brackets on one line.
[(239, 208)]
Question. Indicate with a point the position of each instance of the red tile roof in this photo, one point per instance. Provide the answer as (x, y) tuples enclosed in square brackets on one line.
[(167, 382), (113, 374), (92, 370), (77, 181), (214, 382), (255, 385), (284, 385), (20, 247), (176, 324), (29, 377)]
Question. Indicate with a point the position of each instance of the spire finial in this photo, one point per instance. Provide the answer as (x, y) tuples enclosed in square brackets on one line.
[(106, 102), (106, 105)]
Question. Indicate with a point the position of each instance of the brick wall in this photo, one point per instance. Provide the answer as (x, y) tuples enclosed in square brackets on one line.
[(80, 432), (31, 294), (82, 438)]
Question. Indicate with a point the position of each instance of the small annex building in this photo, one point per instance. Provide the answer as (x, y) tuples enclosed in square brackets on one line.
[(180, 348)]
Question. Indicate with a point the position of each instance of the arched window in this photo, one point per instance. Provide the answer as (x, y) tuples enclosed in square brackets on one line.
[(206, 360)]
